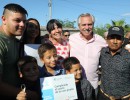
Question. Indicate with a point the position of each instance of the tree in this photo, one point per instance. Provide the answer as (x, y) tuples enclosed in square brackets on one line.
[(100, 30), (67, 23), (119, 23)]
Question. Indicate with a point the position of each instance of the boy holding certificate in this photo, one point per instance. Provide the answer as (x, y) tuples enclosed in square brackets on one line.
[(48, 55), (83, 86)]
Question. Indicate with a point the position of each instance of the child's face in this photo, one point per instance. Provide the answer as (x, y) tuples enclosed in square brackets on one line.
[(50, 58), (77, 71), (30, 72)]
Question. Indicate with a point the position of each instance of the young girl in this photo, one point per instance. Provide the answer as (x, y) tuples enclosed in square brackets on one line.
[(31, 35)]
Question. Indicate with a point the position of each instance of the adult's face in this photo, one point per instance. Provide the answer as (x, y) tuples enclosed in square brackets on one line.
[(86, 26), (66, 36), (14, 23), (32, 29), (114, 42), (56, 33)]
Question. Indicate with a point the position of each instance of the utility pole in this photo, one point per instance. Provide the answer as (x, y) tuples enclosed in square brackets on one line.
[(50, 9)]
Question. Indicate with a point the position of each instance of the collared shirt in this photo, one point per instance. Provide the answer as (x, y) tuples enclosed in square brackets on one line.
[(115, 79), (88, 53), (44, 73)]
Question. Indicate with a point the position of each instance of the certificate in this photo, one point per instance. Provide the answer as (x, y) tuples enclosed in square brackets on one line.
[(60, 87), (32, 50)]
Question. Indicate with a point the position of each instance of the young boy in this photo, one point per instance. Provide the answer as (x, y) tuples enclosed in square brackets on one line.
[(48, 55), (29, 74), (83, 86)]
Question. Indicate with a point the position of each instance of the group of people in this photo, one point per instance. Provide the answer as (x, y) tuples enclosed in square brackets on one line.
[(80, 54)]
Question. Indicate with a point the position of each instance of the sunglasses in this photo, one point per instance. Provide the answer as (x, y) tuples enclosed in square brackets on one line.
[(66, 35)]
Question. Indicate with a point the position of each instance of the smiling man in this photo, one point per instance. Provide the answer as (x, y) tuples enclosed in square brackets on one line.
[(86, 46), (13, 24), (115, 64)]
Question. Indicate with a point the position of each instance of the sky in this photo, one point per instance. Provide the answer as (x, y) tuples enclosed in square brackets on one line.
[(104, 11)]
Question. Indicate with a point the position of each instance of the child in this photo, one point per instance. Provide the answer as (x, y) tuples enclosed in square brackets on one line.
[(83, 86), (29, 74), (48, 55)]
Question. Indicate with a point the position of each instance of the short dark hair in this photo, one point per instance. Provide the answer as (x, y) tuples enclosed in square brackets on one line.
[(15, 8), (68, 62), (24, 60), (66, 31), (45, 47), (51, 23)]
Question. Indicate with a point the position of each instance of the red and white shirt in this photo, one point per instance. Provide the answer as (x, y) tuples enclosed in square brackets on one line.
[(62, 51)]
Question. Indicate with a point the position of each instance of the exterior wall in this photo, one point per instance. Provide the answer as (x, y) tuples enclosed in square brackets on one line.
[(72, 30)]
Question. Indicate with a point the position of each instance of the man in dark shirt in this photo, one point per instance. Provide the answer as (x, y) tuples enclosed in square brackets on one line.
[(115, 63), (13, 24)]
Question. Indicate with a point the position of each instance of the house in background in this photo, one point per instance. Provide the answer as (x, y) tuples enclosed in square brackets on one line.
[(72, 30)]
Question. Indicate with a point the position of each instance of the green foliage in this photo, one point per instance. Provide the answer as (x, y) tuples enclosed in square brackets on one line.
[(119, 23), (67, 23), (108, 26), (100, 30)]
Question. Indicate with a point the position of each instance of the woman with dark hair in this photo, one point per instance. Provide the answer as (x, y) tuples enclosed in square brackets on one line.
[(54, 28), (31, 35), (32, 32)]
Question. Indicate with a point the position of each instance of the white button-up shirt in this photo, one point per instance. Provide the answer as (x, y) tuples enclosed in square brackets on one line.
[(88, 53)]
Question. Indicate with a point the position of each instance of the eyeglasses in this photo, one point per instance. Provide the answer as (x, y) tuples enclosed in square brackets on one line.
[(66, 35)]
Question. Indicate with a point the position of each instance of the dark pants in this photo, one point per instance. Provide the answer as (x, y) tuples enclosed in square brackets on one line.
[(101, 96)]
